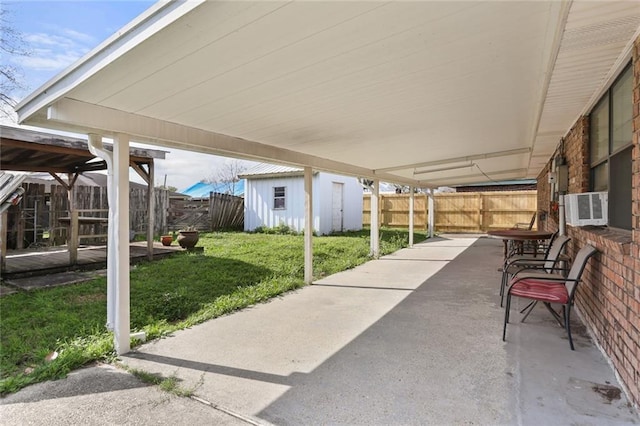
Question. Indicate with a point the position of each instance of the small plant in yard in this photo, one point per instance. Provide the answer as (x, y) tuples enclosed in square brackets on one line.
[(282, 229), (236, 270)]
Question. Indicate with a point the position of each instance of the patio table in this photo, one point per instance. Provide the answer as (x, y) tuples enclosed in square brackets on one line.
[(519, 235)]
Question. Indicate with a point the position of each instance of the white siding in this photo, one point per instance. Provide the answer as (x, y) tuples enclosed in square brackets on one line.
[(259, 210), (352, 202), (258, 200)]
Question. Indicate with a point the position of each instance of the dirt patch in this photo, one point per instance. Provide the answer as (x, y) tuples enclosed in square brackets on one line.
[(607, 392)]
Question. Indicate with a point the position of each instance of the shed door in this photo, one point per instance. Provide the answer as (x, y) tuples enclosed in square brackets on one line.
[(336, 207)]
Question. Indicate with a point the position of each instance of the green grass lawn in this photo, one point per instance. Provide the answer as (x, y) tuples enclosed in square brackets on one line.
[(236, 270)]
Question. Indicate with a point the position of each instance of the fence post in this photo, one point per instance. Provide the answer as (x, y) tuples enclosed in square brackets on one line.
[(20, 221), (212, 225), (411, 201), (481, 212), (426, 212), (3, 240), (432, 213), (73, 238)]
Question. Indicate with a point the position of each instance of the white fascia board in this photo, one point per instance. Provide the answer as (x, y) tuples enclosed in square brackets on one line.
[(154, 19), (89, 118)]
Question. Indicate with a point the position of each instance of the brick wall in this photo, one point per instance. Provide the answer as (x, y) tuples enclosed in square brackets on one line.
[(609, 297)]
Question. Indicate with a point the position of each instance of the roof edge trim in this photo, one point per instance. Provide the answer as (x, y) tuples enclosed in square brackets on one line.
[(82, 117)]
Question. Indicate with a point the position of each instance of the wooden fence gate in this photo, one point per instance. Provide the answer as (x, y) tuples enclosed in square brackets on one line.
[(219, 211)]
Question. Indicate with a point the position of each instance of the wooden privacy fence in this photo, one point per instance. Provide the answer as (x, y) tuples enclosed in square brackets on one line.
[(227, 211), (456, 212), (39, 220), (219, 211)]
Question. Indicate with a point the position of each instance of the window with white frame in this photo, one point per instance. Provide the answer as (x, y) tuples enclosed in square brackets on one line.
[(279, 197), (610, 145)]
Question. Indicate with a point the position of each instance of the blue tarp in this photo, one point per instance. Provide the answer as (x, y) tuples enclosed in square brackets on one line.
[(202, 189)]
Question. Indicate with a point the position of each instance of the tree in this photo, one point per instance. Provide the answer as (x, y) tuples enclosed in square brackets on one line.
[(11, 44), (226, 176)]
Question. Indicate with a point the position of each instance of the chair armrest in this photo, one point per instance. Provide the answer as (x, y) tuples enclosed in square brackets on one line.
[(546, 277), (527, 260)]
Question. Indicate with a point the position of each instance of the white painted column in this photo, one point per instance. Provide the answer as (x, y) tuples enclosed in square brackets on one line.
[(375, 220), (308, 225), (411, 200), (432, 213), (121, 220), (96, 147), (151, 210)]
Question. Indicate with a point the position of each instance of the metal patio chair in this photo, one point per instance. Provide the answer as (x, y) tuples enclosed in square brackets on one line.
[(519, 246), (550, 288), (547, 263), (526, 225)]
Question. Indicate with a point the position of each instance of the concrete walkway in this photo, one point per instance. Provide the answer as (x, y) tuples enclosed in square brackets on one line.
[(412, 338)]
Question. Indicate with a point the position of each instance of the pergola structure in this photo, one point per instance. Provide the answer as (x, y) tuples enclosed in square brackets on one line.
[(34, 151), (419, 93)]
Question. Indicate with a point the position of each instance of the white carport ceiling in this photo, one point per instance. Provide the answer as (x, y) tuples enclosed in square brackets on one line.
[(366, 88)]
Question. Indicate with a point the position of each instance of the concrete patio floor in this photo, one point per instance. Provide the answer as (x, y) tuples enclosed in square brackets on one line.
[(411, 338)]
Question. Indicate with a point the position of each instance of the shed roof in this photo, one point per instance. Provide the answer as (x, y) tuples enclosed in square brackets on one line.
[(266, 170), (203, 189), (36, 151)]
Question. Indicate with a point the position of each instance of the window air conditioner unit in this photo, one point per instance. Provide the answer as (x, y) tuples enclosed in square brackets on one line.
[(587, 208)]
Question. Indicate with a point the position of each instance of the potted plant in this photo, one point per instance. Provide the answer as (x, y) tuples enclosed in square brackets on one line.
[(166, 240), (188, 238)]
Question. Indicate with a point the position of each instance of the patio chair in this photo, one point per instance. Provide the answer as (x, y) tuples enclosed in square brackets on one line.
[(550, 288), (518, 246), (526, 225), (547, 263)]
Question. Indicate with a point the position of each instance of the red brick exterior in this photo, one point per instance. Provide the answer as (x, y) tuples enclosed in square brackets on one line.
[(609, 297)]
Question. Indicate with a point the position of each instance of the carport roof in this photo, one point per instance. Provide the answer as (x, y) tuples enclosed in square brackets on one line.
[(422, 93)]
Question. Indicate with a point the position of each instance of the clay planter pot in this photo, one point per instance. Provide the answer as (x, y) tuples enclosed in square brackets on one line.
[(188, 239), (166, 240)]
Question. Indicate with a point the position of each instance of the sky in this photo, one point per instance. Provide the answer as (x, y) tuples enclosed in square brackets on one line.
[(58, 33)]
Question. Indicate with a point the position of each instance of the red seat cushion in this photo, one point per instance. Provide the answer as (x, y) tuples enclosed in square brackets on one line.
[(545, 291)]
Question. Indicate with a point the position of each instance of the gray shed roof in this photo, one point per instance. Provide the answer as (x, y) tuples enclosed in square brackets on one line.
[(266, 170)]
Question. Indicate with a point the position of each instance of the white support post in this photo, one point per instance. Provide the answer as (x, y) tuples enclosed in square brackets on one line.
[(121, 219), (308, 225), (411, 200), (96, 147), (375, 220), (151, 211), (432, 213)]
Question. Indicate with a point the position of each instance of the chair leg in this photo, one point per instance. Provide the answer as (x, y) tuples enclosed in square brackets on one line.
[(503, 284), (506, 317), (567, 324)]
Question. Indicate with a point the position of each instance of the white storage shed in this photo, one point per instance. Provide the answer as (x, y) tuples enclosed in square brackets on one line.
[(274, 195)]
